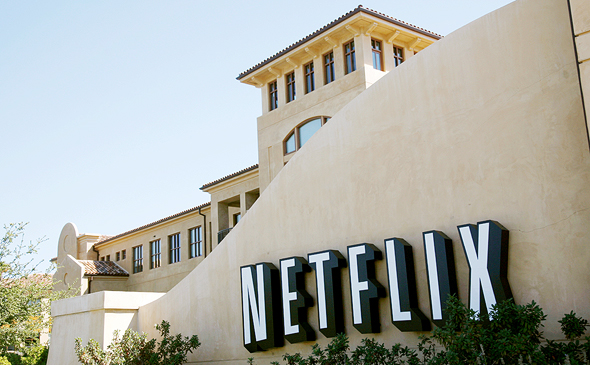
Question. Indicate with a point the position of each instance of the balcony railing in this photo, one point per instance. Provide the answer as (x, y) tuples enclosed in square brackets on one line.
[(221, 234)]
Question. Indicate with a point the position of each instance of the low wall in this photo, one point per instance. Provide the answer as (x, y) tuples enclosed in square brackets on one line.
[(95, 316)]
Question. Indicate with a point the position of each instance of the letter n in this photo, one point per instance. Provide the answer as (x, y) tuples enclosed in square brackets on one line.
[(261, 307)]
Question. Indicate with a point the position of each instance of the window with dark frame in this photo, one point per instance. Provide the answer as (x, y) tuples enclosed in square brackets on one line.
[(102, 258), (174, 241), (398, 56), (349, 58), (309, 78), (123, 254), (329, 74), (137, 259), (273, 95), (108, 257), (155, 254), (290, 78), (301, 134), (118, 256), (377, 54), (196, 242)]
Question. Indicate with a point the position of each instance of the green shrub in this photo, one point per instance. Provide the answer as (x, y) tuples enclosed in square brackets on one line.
[(4, 361), (13, 358), (135, 349), (509, 334), (36, 355)]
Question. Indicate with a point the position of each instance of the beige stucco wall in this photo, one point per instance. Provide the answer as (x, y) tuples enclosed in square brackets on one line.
[(95, 316), (484, 124)]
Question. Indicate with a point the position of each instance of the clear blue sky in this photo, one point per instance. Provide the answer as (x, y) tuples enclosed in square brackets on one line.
[(114, 113)]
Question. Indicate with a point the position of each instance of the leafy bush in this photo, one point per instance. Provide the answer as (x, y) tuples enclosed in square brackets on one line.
[(36, 355), (4, 361), (509, 334), (135, 349), (13, 358)]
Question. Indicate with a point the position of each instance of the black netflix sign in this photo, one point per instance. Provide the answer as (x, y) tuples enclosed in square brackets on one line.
[(275, 301)]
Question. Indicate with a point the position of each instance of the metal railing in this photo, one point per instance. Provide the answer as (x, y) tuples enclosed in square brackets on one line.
[(221, 234)]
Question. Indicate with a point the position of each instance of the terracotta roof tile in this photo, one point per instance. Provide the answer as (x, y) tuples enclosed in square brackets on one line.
[(110, 238), (102, 268), (253, 167), (358, 9)]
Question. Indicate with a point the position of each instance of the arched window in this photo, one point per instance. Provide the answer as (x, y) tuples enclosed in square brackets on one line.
[(302, 133)]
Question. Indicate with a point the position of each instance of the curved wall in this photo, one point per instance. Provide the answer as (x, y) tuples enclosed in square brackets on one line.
[(485, 124)]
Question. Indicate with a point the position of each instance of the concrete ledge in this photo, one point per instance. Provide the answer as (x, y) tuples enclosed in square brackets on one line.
[(105, 300)]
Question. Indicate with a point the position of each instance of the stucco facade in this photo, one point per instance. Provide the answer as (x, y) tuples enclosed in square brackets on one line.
[(456, 135)]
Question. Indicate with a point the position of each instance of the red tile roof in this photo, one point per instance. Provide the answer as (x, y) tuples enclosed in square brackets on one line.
[(102, 268), (253, 167), (110, 238), (360, 8)]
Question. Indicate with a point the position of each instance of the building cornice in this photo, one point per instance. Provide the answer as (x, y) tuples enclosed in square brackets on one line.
[(330, 26)]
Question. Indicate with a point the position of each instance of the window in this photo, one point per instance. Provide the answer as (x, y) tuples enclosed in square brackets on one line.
[(137, 259), (155, 254), (237, 218), (196, 242), (349, 58), (273, 95), (108, 257), (290, 78), (297, 138), (123, 254), (309, 77), (118, 256), (174, 241), (398, 56), (102, 258), (329, 67), (377, 54)]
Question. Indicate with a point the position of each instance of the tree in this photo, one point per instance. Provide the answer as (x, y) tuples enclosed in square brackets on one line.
[(25, 295)]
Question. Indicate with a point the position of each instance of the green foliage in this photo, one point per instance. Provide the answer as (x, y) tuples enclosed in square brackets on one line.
[(36, 355), (4, 361), (573, 327), (509, 334), (135, 349), (25, 296), (13, 358)]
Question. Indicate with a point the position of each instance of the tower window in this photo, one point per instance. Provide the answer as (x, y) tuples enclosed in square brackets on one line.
[(309, 78), (349, 58), (290, 78), (329, 67), (377, 54), (398, 56), (273, 95)]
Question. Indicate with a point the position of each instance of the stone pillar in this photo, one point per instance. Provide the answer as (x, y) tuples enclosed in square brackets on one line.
[(363, 51), (299, 82), (282, 90), (318, 71), (220, 211), (265, 99)]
